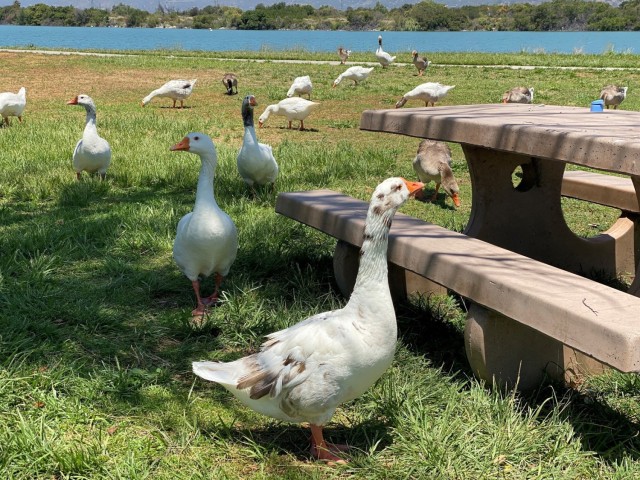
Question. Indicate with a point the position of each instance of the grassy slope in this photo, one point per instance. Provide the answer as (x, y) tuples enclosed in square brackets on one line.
[(95, 343)]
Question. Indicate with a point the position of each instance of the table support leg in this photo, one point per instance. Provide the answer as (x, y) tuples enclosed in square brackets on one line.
[(508, 354)]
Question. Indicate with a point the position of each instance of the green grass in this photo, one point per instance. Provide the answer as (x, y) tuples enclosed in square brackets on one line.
[(95, 339)]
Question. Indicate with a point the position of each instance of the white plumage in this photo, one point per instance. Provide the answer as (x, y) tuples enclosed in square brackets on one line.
[(383, 57), (13, 104), (302, 373), (301, 86), (176, 90), (92, 153), (430, 92), (356, 73), (294, 108), (206, 238), (256, 163)]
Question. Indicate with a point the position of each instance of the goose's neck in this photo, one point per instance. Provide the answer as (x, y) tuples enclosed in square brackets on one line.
[(91, 121), (204, 192), (249, 129), (372, 276)]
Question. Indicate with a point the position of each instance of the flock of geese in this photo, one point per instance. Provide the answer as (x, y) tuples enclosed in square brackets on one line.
[(304, 372)]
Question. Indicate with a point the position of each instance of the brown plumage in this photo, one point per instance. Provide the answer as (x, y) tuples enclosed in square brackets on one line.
[(343, 53), (433, 162), (420, 63), (229, 80), (613, 95), (518, 95)]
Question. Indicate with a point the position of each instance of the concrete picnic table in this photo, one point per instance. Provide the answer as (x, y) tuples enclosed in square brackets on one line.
[(540, 139)]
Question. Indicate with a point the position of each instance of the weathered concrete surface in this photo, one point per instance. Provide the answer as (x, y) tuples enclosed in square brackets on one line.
[(609, 190)]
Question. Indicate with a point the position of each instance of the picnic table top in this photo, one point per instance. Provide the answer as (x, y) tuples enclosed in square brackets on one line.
[(608, 140)]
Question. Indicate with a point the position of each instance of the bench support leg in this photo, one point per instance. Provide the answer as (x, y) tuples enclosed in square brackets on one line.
[(506, 353), (402, 283)]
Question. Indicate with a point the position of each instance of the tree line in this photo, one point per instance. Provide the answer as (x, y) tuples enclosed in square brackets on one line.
[(556, 15)]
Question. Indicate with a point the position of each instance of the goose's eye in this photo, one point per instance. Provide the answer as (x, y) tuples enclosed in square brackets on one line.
[(380, 196), (196, 138), (398, 187)]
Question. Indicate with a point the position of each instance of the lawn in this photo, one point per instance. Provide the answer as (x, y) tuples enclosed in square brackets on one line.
[(96, 341)]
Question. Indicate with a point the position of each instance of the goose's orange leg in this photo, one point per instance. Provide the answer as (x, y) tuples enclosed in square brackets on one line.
[(213, 298), (323, 450)]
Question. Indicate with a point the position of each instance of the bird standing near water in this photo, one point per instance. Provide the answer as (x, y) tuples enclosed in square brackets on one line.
[(230, 81), (176, 90), (419, 62), (383, 57), (304, 372)]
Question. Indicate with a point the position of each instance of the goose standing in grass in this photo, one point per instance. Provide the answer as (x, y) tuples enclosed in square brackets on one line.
[(256, 162), (294, 108), (344, 54), (518, 95), (613, 95), (433, 162), (357, 74), (420, 63), (92, 153), (383, 57), (301, 86), (302, 373), (206, 240), (13, 104), (173, 89), (429, 92), (229, 80)]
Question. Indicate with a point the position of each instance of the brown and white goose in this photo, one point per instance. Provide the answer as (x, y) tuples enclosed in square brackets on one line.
[(433, 162), (518, 95), (303, 373), (344, 54), (613, 95), (92, 153), (230, 81), (420, 63)]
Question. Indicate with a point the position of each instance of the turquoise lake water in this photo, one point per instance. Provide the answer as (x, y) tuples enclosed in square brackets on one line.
[(316, 41)]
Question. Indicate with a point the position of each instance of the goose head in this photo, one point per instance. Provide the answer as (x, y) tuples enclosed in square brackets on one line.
[(414, 54), (380, 40), (85, 100), (247, 109), (392, 193), (195, 142)]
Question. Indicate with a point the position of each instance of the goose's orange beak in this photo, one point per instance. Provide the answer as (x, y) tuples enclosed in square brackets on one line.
[(456, 199), (73, 101), (182, 145), (260, 124), (413, 187)]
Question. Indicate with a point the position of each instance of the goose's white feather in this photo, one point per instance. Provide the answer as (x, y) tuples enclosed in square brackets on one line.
[(430, 92), (13, 104), (356, 73), (301, 86), (92, 153), (173, 89)]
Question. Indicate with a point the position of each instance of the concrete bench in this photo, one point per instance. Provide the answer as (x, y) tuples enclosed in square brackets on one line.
[(527, 319), (616, 192)]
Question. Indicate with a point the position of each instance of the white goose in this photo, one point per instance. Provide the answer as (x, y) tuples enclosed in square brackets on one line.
[(518, 95), (294, 108), (256, 162), (302, 373), (206, 239), (173, 89), (301, 86), (13, 104), (92, 153), (430, 92), (357, 74), (383, 57)]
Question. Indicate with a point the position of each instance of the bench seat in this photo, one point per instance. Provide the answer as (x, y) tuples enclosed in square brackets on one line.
[(608, 190), (582, 314)]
